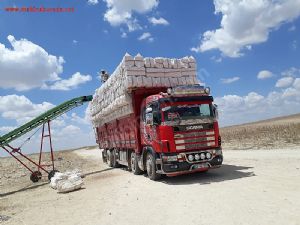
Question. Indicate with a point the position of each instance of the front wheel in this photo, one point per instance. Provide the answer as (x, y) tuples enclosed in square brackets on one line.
[(151, 167)]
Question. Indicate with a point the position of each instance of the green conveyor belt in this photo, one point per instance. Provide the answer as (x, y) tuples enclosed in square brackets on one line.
[(43, 118)]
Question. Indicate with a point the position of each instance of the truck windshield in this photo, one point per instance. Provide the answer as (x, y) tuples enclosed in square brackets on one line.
[(186, 112)]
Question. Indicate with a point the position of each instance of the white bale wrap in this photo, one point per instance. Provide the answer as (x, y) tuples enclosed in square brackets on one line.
[(66, 182), (112, 99)]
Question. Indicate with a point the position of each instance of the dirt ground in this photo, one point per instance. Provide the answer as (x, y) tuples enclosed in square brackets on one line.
[(252, 187)]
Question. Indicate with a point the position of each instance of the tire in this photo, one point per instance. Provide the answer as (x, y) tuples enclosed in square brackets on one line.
[(51, 174), (129, 167), (151, 167), (115, 164), (134, 164), (109, 158), (35, 176), (104, 159)]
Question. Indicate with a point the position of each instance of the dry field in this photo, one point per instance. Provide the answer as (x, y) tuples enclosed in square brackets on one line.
[(282, 132)]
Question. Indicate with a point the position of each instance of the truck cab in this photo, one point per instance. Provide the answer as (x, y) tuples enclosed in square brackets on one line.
[(179, 132)]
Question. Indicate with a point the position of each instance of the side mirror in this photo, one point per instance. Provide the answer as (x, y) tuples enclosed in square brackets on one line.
[(215, 111), (149, 119)]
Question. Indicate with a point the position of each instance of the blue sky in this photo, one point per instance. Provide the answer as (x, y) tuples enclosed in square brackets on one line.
[(47, 58)]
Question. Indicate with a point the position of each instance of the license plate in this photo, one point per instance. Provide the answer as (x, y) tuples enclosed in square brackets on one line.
[(199, 166)]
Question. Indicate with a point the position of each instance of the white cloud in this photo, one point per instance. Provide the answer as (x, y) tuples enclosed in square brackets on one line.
[(291, 72), (93, 2), (216, 59), (296, 83), (159, 21), (121, 11), (146, 36), (229, 80), (68, 84), (20, 108), (70, 129), (58, 122), (80, 120), (124, 35), (292, 28), (6, 129), (27, 65), (294, 44), (246, 22), (235, 109), (284, 82), (264, 74)]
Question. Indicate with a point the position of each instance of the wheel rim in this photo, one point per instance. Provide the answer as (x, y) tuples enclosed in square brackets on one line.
[(132, 159)]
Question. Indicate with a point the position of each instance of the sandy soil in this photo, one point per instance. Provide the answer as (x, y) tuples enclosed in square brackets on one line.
[(252, 187)]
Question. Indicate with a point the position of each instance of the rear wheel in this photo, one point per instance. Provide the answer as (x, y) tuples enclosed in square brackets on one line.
[(134, 164), (151, 167), (109, 158), (35, 176), (115, 163)]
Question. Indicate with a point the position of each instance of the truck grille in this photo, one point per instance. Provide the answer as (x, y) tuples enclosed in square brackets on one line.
[(186, 139)]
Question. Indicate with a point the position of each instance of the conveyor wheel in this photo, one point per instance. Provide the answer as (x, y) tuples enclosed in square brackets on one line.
[(51, 174), (35, 176)]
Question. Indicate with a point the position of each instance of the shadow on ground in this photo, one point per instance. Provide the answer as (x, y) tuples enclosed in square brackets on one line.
[(32, 186), (224, 173), (96, 172)]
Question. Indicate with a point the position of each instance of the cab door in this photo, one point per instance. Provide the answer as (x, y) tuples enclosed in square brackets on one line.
[(151, 125)]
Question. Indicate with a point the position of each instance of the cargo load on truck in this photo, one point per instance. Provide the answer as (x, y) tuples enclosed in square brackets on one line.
[(113, 98)]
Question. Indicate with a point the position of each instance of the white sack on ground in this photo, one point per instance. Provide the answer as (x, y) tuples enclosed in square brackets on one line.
[(113, 98), (66, 182)]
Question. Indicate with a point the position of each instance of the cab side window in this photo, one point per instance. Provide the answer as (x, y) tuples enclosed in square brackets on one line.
[(152, 114)]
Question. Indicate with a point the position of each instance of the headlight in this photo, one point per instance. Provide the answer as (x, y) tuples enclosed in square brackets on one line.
[(202, 155), (197, 157), (191, 157), (208, 155)]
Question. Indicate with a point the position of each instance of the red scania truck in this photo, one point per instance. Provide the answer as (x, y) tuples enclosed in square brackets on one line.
[(171, 131)]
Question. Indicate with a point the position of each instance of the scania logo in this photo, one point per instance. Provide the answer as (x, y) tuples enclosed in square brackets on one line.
[(194, 127)]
